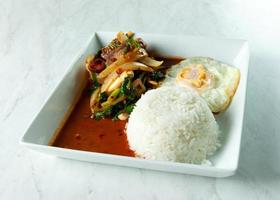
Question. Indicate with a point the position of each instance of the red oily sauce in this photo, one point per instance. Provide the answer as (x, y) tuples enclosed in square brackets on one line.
[(80, 132), (83, 133)]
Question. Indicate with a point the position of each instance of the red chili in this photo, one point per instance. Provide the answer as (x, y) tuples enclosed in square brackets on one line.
[(97, 65)]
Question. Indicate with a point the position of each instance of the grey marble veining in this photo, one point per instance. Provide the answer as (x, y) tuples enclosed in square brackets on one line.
[(38, 40)]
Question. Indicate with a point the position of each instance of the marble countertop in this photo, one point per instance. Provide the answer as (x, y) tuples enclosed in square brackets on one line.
[(38, 40)]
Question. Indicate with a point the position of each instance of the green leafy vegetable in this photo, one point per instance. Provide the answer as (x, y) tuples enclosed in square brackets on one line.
[(131, 43), (129, 108), (128, 90), (157, 76), (103, 97), (102, 114), (126, 86), (111, 98), (112, 111)]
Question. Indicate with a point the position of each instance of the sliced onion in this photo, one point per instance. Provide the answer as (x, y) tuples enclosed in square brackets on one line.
[(131, 66), (88, 60), (123, 116), (154, 83), (109, 70), (118, 82), (121, 37), (94, 99), (111, 98), (151, 62), (127, 58), (116, 101), (108, 81)]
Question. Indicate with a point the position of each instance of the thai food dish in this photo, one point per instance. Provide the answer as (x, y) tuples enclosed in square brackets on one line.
[(140, 105)]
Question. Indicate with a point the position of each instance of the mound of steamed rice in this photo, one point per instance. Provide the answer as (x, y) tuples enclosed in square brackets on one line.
[(172, 124)]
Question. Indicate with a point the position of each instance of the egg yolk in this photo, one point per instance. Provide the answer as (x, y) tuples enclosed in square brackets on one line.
[(196, 76)]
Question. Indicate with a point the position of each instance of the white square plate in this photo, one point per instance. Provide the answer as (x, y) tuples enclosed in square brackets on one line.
[(225, 161)]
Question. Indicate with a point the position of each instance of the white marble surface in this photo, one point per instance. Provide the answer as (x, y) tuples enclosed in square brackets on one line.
[(38, 40)]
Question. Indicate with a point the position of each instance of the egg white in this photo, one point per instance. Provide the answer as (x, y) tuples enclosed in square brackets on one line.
[(219, 93)]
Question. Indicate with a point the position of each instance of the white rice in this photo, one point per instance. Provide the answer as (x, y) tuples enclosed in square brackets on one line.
[(173, 124)]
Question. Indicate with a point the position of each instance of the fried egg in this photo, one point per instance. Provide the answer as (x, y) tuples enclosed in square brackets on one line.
[(216, 82)]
